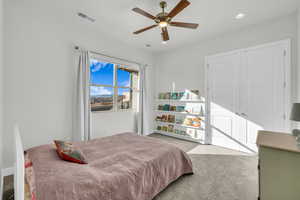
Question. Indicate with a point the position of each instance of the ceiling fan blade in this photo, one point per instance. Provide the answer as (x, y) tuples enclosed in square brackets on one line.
[(178, 8), (184, 25), (144, 13), (145, 29), (165, 34)]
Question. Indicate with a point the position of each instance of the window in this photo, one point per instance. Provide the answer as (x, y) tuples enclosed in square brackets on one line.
[(113, 87)]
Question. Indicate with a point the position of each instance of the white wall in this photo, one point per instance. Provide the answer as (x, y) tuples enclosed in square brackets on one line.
[(40, 72), (185, 66), (297, 124), (114, 124), (1, 86), (298, 54)]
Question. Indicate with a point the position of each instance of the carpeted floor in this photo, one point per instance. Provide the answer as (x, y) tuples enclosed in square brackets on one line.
[(8, 192), (219, 174)]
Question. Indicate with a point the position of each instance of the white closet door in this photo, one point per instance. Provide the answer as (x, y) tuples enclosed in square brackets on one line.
[(247, 92), (223, 73), (262, 91)]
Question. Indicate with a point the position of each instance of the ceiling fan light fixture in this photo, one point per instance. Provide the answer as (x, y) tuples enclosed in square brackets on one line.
[(163, 24)]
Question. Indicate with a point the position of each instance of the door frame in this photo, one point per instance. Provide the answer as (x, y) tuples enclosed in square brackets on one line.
[(286, 43)]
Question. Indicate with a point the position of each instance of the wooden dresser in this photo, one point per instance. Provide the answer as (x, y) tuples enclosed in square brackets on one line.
[(279, 166)]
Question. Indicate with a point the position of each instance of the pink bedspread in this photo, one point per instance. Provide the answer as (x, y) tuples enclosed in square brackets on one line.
[(121, 167)]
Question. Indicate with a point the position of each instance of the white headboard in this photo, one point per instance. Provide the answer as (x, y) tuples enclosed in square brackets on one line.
[(19, 166)]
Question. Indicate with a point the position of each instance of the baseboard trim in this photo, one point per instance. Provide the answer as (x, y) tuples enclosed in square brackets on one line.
[(8, 171)]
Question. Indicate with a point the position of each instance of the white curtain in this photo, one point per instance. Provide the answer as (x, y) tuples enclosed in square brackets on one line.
[(83, 115), (143, 118)]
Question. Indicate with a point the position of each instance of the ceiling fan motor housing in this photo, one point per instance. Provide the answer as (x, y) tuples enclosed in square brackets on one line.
[(162, 17)]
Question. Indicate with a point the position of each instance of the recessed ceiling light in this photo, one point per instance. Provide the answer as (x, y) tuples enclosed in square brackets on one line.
[(240, 16), (164, 42)]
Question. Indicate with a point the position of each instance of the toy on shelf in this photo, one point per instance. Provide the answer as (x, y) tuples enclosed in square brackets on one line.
[(192, 121)]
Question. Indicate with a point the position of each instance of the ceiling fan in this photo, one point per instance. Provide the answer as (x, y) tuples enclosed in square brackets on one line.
[(164, 19)]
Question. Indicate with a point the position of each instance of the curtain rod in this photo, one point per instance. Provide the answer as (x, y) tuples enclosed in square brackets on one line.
[(125, 60)]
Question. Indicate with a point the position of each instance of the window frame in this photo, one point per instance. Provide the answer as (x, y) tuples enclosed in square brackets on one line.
[(115, 86)]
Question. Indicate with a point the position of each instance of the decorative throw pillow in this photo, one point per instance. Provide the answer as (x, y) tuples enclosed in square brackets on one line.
[(68, 152)]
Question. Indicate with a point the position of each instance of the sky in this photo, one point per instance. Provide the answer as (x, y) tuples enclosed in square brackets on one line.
[(102, 73)]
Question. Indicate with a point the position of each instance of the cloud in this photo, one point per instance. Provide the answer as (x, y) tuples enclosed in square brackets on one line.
[(96, 66), (125, 83), (95, 91)]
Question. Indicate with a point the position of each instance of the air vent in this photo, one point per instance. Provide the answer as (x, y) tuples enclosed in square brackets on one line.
[(84, 16)]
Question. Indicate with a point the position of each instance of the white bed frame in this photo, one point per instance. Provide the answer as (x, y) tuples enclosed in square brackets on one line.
[(19, 175)]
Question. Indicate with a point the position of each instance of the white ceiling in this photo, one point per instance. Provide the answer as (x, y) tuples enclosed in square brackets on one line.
[(115, 18)]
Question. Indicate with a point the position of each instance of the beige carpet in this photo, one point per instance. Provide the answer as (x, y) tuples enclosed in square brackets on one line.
[(219, 174), (8, 188)]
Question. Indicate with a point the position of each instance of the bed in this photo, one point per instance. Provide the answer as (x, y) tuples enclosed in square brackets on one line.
[(120, 167)]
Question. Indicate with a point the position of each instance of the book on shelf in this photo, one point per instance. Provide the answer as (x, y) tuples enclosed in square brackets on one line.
[(174, 95), (173, 108), (179, 120), (166, 118), (186, 95), (170, 128), (189, 122), (182, 109), (166, 107)]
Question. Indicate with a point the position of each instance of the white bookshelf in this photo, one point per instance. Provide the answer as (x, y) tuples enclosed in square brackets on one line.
[(200, 131)]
